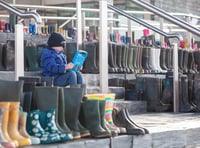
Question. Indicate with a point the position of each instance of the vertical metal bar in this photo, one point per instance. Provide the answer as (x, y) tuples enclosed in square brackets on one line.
[(79, 24), (175, 78), (103, 43), (83, 26), (129, 30), (19, 51)]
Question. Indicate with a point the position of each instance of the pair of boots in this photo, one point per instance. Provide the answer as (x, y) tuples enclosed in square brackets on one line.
[(12, 126), (43, 126), (123, 119), (92, 117), (102, 106), (64, 100)]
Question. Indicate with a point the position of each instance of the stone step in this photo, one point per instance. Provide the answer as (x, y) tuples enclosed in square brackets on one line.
[(167, 130)]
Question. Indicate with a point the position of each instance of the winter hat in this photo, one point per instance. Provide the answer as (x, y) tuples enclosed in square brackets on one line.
[(55, 39)]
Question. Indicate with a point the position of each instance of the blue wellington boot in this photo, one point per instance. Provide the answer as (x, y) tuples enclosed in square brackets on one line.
[(47, 120), (34, 128)]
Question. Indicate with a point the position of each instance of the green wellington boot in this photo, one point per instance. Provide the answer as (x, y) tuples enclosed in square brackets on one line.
[(90, 118), (46, 98), (72, 101)]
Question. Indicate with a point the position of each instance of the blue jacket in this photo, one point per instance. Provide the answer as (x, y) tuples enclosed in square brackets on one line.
[(53, 63)]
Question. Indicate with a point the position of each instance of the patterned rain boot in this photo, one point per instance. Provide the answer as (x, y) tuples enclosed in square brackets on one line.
[(47, 121), (34, 128)]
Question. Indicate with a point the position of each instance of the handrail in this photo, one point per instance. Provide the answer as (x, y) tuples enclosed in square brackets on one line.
[(168, 17), (141, 22), (14, 10)]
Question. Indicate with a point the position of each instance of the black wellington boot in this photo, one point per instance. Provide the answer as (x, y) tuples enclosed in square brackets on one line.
[(111, 58), (185, 61), (90, 63), (11, 90), (180, 60), (122, 120), (162, 59), (124, 59), (2, 68), (129, 118), (72, 101), (153, 96), (90, 118), (197, 93), (9, 56), (184, 105)]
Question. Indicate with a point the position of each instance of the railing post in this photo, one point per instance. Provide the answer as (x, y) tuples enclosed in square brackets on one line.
[(19, 51), (175, 78), (103, 43)]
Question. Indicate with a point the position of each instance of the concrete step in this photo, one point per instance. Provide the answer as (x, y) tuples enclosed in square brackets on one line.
[(167, 130)]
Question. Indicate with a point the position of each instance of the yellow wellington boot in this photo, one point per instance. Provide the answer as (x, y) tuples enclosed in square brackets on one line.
[(13, 122), (22, 128), (5, 107)]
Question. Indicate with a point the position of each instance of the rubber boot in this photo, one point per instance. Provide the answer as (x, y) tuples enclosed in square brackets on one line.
[(184, 105), (122, 120), (9, 56), (140, 54), (157, 60), (30, 53), (153, 96), (22, 128), (60, 116), (185, 61), (3, 141), (91, 119), (72, 100), (124, 58), (102, 118), (196, 55), (48, 123), (5, 106), (119, 58), (70, 50), (152, 61), (129, 118), (111, 59), (46, 98), (191, 90), (109, 104), (2, 68), (13, 122), (135, 51), (16, 87), (193, 64), (163, 59), (180, 60), (34, 129), (90, 65), (197, 94), (130, 59)]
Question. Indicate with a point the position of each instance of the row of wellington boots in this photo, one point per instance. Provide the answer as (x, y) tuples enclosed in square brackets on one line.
[(10, 123)]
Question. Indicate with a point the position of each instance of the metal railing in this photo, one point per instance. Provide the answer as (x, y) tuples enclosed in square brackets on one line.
[(14, 10)]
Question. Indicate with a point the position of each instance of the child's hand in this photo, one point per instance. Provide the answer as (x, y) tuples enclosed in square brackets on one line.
[(69, 66)]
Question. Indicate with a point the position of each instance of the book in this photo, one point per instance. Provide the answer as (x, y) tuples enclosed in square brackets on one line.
[(79, 59)]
